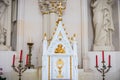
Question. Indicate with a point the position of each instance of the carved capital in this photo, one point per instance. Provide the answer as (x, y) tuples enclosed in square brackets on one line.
[(43, 7), (50, 6)]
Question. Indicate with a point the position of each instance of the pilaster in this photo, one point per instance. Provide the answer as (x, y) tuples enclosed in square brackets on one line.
[(84, 29), (20, 24)]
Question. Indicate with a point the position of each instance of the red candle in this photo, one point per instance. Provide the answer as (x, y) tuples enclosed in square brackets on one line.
[(27, 59), (103, 56), (13, 60), (109, 60), (96, 60), (21, 55)]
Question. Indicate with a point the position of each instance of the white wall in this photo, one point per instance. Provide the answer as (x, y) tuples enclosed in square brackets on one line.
[(6, 63)]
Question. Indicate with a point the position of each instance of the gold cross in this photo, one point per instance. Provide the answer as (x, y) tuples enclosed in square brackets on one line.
[(60, 9)]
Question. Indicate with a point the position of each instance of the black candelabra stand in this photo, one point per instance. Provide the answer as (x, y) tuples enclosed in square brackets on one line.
[(29, 65), (19, 69), (104, 69)]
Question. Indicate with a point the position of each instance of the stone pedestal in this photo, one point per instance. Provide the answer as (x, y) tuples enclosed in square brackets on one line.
[(106, 48), (4, 48), (86, 75)]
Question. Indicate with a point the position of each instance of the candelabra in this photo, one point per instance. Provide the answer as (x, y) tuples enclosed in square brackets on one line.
[(19, 69), (29, 65), (104, 69)]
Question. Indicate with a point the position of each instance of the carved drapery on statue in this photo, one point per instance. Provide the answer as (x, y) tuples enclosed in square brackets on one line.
[(4, 5), (103, 24)]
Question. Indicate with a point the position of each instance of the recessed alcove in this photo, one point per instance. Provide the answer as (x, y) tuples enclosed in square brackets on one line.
[(115, 34)]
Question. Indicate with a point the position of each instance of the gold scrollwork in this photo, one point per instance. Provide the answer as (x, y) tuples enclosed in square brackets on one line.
[(60, 65)]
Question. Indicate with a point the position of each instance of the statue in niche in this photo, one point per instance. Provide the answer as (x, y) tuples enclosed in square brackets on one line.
[(3, 28), (103, 24), (60, 49)]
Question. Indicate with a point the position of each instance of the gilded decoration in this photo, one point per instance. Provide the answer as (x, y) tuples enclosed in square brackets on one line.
[(60, 49), (51, 6), (60, 65), (48, 67)]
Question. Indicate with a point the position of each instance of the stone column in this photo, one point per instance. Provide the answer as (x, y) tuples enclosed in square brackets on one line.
[(20, 24), (84, 29), (53, 16), (45, 13)]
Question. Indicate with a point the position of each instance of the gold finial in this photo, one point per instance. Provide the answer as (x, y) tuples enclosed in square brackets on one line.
[(57, 22), (71, 38), (60, 9), (53, 33), (45, 35), (74, 35)]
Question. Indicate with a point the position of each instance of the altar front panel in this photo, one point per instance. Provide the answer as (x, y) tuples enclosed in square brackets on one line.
[(60, 67)]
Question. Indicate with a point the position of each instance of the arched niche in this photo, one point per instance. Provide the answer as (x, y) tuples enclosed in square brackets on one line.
[(116, 21)]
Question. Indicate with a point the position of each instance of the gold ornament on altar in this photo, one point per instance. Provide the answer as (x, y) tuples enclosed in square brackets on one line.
[(60, 65), (60, 10), (60, 36), (60, 49)]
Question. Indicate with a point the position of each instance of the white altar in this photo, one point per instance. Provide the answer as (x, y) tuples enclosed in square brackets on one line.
[(59, 60)]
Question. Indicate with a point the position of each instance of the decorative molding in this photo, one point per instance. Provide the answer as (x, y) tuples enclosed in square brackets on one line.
[(50, 6)]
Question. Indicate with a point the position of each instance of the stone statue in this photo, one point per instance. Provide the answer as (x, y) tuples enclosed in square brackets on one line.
[(103, 24), (3, 28)]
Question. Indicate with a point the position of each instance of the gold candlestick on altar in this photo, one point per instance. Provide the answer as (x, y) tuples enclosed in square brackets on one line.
[(29, 65)]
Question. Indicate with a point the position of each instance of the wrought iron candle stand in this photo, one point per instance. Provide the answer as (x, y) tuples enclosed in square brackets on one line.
[(104, 69), (19, 69), (29, 65)]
